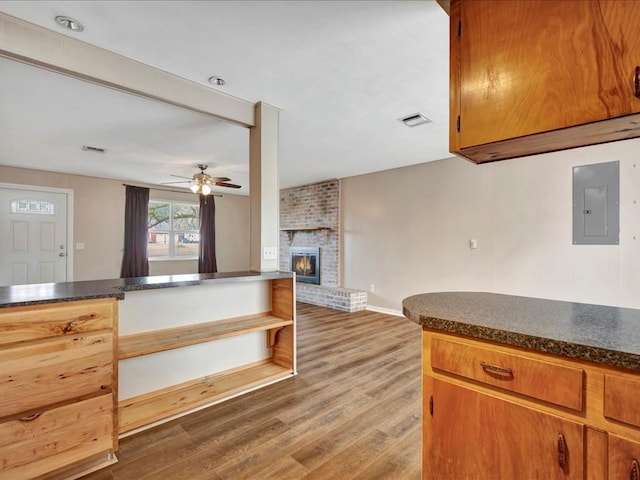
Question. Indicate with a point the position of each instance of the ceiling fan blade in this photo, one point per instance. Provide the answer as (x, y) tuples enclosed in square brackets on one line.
[(228, 185), (181, 181), (221, 179), (180, 176)]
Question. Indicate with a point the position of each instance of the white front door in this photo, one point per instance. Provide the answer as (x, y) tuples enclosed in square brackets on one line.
[(33, 236)]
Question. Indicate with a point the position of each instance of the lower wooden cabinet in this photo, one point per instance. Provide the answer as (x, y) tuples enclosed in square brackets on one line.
[(495, 412), (623, 459), (58, 373), (622, 399), (42, 442), (480, 437), (60, 369)]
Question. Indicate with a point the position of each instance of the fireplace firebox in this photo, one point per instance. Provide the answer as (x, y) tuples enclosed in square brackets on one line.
[(305, 262)]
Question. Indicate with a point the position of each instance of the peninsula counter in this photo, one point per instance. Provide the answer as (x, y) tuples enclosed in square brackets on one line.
[(518, 387), (83, 363)]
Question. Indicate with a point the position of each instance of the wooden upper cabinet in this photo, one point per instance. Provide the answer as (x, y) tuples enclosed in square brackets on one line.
[(534, 76)]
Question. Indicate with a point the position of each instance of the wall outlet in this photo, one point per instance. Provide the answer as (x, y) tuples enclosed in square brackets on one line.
[(269, 253), (372, 288)]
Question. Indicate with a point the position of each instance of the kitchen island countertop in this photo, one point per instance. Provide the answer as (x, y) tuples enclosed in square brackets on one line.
[(41, 293), (595, 333)]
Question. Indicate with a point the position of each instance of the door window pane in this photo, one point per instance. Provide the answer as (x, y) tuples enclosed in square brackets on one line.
[(41, 207)]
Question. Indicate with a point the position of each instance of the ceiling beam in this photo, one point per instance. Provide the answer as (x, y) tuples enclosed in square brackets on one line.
[(32, 44)]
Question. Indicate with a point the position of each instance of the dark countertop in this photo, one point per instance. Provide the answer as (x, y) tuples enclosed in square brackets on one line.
[(596, 333), (40, 293)]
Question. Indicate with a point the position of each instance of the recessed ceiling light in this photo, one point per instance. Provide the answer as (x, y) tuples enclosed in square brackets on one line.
[(69, 23), (217, 81), (414, 119)]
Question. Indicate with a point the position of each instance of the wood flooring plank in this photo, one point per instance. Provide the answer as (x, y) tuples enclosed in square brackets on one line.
[(208, 454), (151, 443), (352, 459), (326, 446), (400, 462), (352, 413), (303, 430), (286, 468)]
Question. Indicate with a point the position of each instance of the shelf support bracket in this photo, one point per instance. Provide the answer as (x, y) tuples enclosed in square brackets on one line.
[(272, 334)]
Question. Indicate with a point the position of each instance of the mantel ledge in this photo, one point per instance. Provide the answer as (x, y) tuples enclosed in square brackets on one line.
[(302, 229), (291, 231)]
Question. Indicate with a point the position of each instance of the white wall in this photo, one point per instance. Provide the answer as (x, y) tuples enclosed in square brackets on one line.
[(407, 230), (99, 224)]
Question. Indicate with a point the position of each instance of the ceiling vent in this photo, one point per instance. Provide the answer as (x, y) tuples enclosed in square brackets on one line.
[(415, 119), (89, 148)]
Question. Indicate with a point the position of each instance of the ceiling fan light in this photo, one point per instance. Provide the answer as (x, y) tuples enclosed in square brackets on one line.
[(206, 189), (194, 188)]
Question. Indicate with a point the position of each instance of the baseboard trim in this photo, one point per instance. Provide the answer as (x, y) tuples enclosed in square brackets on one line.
[(388, 311)]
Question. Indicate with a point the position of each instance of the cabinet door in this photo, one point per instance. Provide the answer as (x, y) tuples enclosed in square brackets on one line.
[(624, 458), (480, 437), (36, 374), (535, 66), (51, 439)]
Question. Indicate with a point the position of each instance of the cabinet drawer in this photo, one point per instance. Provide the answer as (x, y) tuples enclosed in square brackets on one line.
[(34, 445), (19, 324), (557, 384), (41, 373), (622, 399)]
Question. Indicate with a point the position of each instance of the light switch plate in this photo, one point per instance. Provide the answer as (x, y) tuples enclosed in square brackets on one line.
[(269, 253)]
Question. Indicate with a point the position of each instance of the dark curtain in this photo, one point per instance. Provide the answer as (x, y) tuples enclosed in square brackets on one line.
[(207, 258), (136, 222)]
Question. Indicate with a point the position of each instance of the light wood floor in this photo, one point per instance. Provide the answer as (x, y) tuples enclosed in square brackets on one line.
[(353, 412)]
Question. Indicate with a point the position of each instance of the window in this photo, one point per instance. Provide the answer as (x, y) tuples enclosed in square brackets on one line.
[(174, 230), (41, 207)]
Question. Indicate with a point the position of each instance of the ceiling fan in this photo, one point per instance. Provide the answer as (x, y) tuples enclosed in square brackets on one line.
[(202, 182)]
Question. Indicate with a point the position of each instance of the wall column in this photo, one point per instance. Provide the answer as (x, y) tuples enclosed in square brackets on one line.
[(263, 185)]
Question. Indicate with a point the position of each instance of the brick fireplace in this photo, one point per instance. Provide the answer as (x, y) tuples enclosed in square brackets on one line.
[(305, 262), (310, 218)]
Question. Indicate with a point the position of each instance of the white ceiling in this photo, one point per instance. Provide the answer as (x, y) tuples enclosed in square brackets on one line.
[(342, 73)]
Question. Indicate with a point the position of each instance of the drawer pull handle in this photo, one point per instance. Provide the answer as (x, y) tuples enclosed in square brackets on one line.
[(635, 470), (562, 452), (30, 418), (488, 367)]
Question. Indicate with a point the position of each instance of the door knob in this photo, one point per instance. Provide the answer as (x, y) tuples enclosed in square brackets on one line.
[(62, 254)]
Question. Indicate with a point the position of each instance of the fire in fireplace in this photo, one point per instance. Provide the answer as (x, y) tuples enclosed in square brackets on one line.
[(305, 262)]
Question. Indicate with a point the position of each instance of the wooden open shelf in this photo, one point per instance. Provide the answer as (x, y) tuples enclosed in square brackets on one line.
[(155, 406), (160, 340), (145, 409)]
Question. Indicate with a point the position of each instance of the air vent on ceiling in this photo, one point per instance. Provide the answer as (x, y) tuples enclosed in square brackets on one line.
[(415, 119), (89, 148)]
